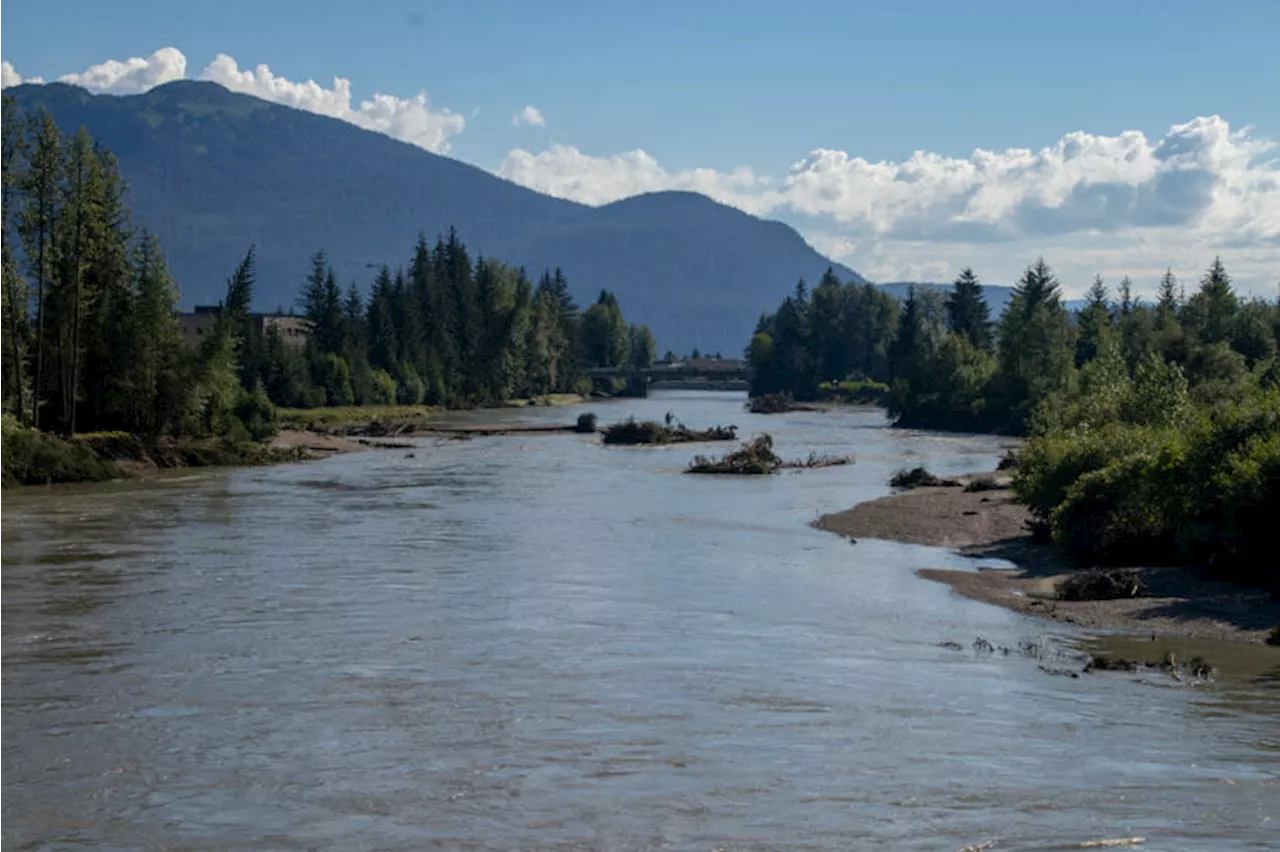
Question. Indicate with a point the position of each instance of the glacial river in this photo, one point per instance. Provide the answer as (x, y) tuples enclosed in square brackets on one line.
[(520, 643)]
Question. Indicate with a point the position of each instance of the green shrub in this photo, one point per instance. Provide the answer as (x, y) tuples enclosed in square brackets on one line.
[(1049, 464), (32, 458), (410, 390), (1111, 512), (333, 374), (255, 414), (586, 424), (383, 388)]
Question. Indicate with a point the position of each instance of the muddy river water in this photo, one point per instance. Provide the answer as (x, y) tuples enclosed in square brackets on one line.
[(519, 643)]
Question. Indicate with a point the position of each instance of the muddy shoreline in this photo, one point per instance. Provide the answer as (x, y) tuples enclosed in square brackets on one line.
[(988, 524)]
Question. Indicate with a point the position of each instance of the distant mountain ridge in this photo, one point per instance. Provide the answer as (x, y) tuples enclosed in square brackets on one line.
[(211, 171), (997, 296)]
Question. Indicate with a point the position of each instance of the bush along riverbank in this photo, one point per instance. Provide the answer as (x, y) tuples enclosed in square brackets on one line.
[(92, 341), (1153, 430), (38, 458)]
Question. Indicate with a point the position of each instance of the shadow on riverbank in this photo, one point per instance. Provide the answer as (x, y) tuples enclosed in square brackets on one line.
[(989, 525)]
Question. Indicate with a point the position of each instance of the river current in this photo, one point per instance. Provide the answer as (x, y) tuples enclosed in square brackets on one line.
[(519, 643)]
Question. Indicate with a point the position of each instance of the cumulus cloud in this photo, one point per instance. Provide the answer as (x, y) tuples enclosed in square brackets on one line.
[(131, 76), (566, 172), (408, 119), (1201, 187), (411, 120), (10, 77), (530, 116)]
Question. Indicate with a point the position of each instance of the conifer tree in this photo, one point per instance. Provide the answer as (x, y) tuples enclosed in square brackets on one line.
[(967, 311), (1095, 323), (1211, 312), (40, 184), (13, 288)]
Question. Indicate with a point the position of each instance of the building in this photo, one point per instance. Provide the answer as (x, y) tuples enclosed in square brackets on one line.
[(199, 323)]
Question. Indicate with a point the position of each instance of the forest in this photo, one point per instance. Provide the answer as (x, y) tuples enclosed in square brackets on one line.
[(92, 341), (1153, 430)]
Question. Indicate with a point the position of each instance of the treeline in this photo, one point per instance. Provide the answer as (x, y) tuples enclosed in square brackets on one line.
[(91, 340), (445, 330), (1154, 428)]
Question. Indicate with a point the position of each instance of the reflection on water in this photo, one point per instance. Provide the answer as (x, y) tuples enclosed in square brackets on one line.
[(520, 643)]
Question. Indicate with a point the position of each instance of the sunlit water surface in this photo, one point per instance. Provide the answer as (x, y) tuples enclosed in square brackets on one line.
[(521, 643)]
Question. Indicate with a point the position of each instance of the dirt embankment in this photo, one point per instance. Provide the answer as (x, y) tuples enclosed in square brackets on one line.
[(1179, 601)]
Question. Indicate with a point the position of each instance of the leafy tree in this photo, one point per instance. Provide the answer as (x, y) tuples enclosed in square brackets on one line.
[(644, 348)]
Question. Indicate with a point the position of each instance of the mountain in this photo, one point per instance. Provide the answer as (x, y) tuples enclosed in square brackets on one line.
[(211, 172), (995, 295)]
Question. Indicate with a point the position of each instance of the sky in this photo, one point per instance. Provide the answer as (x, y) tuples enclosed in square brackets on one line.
[(905, 139)]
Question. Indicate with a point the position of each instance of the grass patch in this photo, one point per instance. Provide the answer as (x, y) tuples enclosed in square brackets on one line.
[(344, 415), (864, 392)]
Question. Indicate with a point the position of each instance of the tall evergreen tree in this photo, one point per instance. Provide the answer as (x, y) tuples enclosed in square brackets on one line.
[(1095, 323), (1167, 299), (40, 184), (1211, 312), (1035, 351), (13, 288), (967, 312)]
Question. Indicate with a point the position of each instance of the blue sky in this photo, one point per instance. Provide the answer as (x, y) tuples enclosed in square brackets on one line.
[(635, 96)]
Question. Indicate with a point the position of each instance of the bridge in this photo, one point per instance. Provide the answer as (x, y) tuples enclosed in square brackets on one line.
[(690, 374)]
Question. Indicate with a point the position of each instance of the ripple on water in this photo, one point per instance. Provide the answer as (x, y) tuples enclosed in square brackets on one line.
[(537, 643)]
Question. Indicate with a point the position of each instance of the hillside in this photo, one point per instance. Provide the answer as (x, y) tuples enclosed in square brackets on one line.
[(211, 171)]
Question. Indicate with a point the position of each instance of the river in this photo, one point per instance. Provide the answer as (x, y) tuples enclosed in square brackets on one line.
[(518, 643)]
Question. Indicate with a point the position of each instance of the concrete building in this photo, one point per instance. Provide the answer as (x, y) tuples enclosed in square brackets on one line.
[(199, 323)]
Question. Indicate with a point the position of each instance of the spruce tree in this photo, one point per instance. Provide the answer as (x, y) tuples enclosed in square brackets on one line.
[(1211, 312), (1167, 300), (968, 313), (1095, 323)]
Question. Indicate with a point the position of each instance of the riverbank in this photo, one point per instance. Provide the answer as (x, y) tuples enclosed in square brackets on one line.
[(989, 524), (40, 458)]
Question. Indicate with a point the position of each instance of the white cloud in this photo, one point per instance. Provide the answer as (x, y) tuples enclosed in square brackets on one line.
[(132, 75), (530, 116), (1109, 203), (10, 77), (410, 120), (566, 172)]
